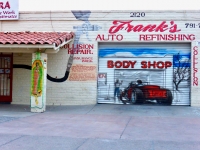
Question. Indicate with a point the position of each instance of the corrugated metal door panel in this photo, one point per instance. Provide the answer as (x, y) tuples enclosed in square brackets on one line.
[(166, 65)]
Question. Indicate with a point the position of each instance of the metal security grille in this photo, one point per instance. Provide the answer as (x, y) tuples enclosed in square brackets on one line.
[(166, 65), (5, 78)]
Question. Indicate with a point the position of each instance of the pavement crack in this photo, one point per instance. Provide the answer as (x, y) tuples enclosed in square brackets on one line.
[(125, 127), (82, 144), (12, 141), (91, 109)]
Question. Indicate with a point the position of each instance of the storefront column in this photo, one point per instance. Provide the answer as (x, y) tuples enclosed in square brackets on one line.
[(38, 82)]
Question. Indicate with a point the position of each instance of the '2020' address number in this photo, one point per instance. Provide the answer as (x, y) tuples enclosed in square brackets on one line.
[(137, 14)]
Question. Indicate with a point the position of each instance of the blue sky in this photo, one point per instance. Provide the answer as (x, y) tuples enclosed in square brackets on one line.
[(183, 56), (141, 51)]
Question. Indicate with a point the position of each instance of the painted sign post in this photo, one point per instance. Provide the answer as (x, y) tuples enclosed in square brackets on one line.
[(38, 82)]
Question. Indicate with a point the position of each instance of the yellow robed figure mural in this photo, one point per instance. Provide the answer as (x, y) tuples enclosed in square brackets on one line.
[(37, 80)]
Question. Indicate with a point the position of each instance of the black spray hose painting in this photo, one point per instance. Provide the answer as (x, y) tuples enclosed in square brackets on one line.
[(48, 76), (80, 30)]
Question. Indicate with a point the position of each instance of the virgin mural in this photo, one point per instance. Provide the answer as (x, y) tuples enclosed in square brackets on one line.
[(143, 75), (37, 80)]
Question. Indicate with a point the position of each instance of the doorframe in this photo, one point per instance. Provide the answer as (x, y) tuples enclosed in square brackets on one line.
[(8, 99)]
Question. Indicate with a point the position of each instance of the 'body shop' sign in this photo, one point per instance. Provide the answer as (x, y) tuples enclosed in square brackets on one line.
[(9, 10), (144, 64)]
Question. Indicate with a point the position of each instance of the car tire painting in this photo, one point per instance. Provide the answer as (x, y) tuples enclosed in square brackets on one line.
[(164, 72)]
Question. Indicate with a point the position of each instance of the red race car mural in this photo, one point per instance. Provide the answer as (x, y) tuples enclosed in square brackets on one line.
[(140, 92)]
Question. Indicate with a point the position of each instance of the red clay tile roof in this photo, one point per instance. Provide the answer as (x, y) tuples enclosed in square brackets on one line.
[(35, 37)]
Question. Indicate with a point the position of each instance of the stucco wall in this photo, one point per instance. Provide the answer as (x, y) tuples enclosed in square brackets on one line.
[(21, 79)]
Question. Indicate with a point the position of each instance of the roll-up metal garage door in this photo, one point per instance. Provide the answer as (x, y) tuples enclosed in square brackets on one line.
[(163, 68)]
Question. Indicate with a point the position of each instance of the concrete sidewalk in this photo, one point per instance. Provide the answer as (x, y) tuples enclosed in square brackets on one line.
[(100, 127)]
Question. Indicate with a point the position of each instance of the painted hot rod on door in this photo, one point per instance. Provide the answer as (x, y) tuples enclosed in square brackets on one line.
[(135, 93)]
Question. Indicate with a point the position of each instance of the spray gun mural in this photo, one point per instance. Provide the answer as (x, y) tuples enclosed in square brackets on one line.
[(81, 30), (82, 72)]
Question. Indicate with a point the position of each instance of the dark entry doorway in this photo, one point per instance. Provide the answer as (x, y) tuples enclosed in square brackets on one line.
[(6, 71)]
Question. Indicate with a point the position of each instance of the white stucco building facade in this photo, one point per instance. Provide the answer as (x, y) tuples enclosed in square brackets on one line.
[(158, 47)]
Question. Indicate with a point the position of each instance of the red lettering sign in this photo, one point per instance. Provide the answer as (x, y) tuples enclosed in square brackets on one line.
[(154, 64), (125, 25), (195, 69), (144, 64), (110, 37), (120, 64), (101, 75), (4, 5), (167, 37), (157, 93)]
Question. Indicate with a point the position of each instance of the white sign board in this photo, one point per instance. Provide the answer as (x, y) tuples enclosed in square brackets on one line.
[(9, 10)]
